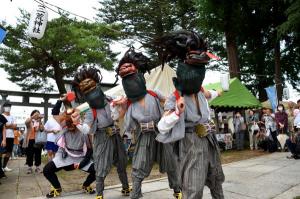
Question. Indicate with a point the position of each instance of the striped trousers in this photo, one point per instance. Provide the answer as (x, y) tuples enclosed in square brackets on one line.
[(109, 151), (200, 165), (147, 151)]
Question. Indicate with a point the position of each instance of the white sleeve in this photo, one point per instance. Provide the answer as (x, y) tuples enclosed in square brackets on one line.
[(213, 94), (46, 126), (83, 128), (114, 111), (242, 119), (167, 122)]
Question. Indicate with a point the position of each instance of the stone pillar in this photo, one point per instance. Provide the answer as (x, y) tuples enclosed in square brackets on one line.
[(4, 99)]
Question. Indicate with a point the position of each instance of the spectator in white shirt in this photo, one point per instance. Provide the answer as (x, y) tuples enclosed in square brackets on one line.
[(53, 127), (10, 127)]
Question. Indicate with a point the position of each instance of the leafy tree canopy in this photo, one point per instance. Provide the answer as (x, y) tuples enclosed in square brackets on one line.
[(145, 20), (66, 45), (256, 24)]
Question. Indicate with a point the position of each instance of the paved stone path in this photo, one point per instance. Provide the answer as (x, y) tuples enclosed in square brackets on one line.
[(270, 176)]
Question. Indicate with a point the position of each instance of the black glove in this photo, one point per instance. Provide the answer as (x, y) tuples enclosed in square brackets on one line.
[(86, 159)]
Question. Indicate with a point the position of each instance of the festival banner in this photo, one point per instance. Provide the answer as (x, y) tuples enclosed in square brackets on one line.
[(272, 95), (2, 34)]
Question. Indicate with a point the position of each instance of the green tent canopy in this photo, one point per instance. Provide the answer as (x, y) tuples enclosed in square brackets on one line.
[(238, 97)]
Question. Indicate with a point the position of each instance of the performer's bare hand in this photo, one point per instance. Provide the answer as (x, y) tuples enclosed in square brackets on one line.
[(55, 131), (180, 105), (14, 126), (120, 100), (76, 165), (3, 143), (75, 117), (63, 97), (220, 92)]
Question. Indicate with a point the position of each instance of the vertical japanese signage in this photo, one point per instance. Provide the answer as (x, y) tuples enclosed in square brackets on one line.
[(38, 22)]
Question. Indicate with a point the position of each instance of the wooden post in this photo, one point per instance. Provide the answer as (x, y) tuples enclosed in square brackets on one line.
[(46, 107), (26, 99)]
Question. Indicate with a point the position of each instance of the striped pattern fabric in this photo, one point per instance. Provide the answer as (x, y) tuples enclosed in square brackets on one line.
[(147, 149), (109, 151), (200, 165), (199, 158)]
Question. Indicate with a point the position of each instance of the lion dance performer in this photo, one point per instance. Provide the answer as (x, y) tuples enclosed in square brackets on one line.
[(186, 117), (75, 152), (108, 149), (143, 113)]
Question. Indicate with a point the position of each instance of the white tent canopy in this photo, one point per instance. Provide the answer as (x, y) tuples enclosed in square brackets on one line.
[(158, 79)]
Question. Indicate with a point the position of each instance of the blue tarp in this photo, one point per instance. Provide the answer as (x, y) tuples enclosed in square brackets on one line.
[(2, 34)]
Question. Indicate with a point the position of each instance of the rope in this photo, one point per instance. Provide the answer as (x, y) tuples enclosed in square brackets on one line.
[(85, 18)]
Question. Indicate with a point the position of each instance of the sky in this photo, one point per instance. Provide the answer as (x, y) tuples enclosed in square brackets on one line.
[(9, 11)]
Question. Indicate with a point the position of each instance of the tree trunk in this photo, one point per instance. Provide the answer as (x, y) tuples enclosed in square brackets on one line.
[(259, 56), (278, 79), (232, 54), (159, 29), (59, 79), (59, 75), (278, 74), (262, 84)]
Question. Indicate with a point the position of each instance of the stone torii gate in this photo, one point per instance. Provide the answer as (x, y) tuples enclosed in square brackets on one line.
[(46, 97), (26, 99)]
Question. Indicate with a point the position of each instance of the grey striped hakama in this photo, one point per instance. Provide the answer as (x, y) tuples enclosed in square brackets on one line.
[(107, 150), (73, 140), (147, 149), (199, 157), (200, 165)]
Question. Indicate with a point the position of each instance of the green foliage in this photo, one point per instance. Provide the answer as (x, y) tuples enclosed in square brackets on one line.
[(255, 24), (66, 45), (291, 59), (217, 17), (145, 20), (292, 24), (252, 24)]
